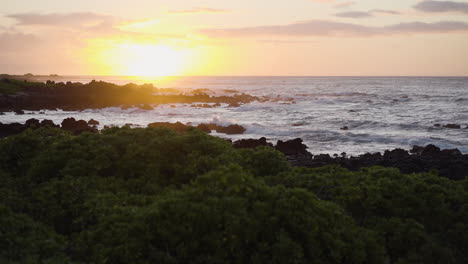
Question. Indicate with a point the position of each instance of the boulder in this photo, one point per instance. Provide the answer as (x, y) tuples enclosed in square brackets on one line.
[(48, 123), (32, 123), (251, 143), (430, 150), (453, 126), (204, 127), (344, 128), (416, 150), (292, 147), (231, 129), (77, 126), (19, 112), (11, 129), (396, 154), (93, 122)]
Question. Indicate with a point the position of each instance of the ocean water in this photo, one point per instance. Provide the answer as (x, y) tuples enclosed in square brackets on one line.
[(381, 112)]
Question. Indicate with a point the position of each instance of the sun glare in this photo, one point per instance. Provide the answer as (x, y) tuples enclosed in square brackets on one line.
[(151, 60)]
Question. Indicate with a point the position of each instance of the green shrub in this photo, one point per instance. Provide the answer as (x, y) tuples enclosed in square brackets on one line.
[(157, 196)]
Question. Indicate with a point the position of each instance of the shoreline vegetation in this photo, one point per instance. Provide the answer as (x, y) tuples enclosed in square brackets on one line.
[(157, 195), (450, 163)]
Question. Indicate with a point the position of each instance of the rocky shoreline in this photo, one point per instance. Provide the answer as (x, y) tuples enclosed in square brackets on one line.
[(450, 163), (69, 96)]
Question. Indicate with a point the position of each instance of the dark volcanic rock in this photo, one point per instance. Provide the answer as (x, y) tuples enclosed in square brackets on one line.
[(16, 128), (344, 128), (251, 143), (32, 123), (235, 104), (77, 127), (292, 147), (430, 150), (93, 122), (48, 123), (11, 129), (19, 112), (453, 126), (204, 127), (450, 163), (231, 129)]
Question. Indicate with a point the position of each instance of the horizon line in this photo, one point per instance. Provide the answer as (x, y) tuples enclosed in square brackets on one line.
[(175, 76)]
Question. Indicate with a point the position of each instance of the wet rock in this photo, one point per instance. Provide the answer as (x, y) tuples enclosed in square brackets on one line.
[(234, 104), (396, 154), (231, 129), (19, 112), (32, 123), (204, 127), (93, 122), (450, 152), (417, 150), (452, 126), (298, 124), (344, 128), (437, 125), (77, 126), (1, 113), (292, 147), (251, 143), (450, 163), (11, 129), (48, 123), (430, 150)]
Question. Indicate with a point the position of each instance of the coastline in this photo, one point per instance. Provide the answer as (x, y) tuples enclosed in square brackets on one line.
[(450, 163)]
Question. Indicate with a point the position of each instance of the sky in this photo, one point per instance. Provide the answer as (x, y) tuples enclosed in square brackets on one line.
[(235, 38)]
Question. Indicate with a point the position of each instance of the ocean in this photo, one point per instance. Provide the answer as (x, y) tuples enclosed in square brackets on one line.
[(380, 112)]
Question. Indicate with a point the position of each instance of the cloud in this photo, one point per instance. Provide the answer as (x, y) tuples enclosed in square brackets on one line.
[(354, 14), (385, 11), (331, 28), (85, 19), (364, 14), (197, 10), (442, 6)]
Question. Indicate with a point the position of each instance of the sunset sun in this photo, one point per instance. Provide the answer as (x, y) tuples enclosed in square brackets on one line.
[(152, 60), (145, 60)]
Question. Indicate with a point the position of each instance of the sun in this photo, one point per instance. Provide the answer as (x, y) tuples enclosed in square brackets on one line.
[(151, 60), (140, 60)]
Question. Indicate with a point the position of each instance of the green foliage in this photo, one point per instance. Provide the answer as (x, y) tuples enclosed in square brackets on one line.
[(420, 218), (157, 196)]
